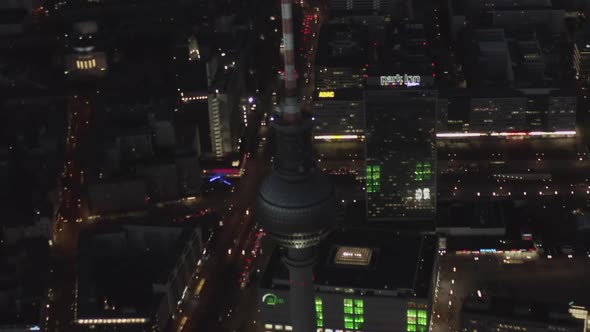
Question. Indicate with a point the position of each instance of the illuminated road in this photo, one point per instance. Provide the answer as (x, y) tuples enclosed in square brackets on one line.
[(222, 271), (73, 175), (309, 35), (69, 215)]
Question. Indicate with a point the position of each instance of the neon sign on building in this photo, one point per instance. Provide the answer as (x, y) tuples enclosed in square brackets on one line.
[(327, 94), (397, 79), (272, 299)]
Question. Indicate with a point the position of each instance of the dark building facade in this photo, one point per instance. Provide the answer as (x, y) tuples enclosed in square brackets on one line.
[(504, 314), (492, 111), (341, 57), (401, 154)]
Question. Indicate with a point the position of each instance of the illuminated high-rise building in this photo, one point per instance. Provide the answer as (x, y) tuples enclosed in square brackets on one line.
[(401, 154)]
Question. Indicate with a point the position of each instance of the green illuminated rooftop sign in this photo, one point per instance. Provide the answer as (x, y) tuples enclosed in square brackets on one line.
[(373, 179), (272, 299)]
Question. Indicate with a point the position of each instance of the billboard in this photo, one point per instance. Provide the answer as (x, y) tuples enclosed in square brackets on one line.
[(401, 80), (397, 79)]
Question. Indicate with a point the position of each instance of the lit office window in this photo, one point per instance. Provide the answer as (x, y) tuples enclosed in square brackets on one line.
[(423, 172), (319, 309), (354, 314), (373, 179), (417, 320)]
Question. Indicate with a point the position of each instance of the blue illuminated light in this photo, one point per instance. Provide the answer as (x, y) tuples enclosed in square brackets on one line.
[(227, 182), (35, 328), (215, 178), (487, 250)]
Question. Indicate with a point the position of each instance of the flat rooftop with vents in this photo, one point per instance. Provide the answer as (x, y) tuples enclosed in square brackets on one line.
[(379, 262)]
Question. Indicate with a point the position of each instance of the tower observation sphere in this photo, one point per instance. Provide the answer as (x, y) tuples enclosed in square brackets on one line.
[(296, 202)]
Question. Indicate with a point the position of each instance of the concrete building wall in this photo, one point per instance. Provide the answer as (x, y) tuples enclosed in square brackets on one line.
[(332, 78), (41, 228)]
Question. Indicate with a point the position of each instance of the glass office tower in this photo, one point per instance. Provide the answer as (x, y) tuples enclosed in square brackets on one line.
[(401, 154)]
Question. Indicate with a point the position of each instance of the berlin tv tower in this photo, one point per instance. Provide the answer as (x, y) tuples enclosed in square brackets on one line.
[(296, 202)]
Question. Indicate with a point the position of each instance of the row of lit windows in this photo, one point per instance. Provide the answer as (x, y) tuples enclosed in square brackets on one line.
[(111, 321), (85, 64), (319, 309), (185, 99), (512, 327), (353, 316), (277, 327)]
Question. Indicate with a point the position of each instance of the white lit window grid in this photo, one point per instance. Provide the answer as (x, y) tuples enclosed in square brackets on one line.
[(353, 256), (422, 194)]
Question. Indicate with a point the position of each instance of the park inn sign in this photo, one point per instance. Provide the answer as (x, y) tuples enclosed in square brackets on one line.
[(405, 79)]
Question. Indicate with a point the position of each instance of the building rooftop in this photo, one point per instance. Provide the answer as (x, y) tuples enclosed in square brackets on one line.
[(342, 45), (121, 263), (23, 271), (487, 244), (12, 16), (509, 309), (472, 214), (369, 260)]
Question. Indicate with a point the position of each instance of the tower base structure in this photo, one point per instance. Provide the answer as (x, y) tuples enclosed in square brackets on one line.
[(301, 293)]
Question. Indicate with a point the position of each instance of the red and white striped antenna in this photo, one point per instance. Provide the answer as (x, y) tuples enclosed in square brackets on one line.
[(288, 41), (290, 107)]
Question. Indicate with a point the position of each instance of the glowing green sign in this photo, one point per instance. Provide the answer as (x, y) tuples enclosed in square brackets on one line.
[(272, 299)]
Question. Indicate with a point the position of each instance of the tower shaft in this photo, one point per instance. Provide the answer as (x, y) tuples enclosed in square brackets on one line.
[(301, 293)]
